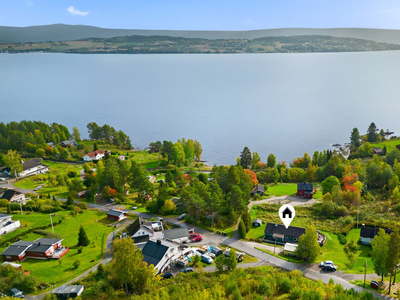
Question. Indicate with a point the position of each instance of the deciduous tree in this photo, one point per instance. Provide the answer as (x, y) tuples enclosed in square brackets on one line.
[(380, 252), (329, 184), (308, 246), (13, 160)]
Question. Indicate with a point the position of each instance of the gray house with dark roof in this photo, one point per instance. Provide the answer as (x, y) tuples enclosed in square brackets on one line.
[(159, 254), (281, 234), (258, 189), (367, 234), (68, 291), (33, 167), (13, 196), (177, 234)]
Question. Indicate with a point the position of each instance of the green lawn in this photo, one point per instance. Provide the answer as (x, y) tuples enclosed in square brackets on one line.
[(284, 257), (282, 189), (390, 144), (51, 271), (333, 250)]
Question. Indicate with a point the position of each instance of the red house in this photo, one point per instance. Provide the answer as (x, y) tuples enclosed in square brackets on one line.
[(41, 248), (305, 190), (117, 214)]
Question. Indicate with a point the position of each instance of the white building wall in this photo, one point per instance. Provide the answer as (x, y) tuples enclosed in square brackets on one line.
[(11, 227)]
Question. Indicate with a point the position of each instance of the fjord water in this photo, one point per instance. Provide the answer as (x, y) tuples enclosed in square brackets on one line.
[(285, 104)]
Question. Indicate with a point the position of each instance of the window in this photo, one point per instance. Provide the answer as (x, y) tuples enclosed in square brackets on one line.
[(295, 239), (9, 257)]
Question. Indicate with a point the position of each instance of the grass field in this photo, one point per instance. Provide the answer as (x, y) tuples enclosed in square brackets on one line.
[(282, 189), (390, 144), (54, 272)]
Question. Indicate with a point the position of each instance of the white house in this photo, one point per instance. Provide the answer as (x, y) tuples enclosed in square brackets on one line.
[(7, 224), (33, 167), (142, 231), (161, 255), (95, 155), (13, 196)]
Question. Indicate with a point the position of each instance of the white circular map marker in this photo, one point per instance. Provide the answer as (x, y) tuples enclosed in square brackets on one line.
[(286, 213)]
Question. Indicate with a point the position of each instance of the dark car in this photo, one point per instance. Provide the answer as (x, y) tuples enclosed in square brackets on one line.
[(167, 274), (329, 268), (187, 270)]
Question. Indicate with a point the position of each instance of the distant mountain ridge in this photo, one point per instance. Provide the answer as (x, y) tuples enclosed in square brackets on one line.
[(62, 32)]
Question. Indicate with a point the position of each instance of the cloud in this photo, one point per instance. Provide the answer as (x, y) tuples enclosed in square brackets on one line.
[(73, 11), (393, 10)]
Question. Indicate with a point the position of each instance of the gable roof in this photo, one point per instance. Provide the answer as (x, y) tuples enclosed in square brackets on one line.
[(93, 154), (69, 289), (281, 229), (153, 252), (9, 194), (176, 233), (42, 245), (4, 216), (368, 232), (258, 188), (116, 212), (17, 248), (303, 186), (29, 164)]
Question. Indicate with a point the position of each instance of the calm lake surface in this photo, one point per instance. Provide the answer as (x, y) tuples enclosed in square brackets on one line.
[(285, 104)]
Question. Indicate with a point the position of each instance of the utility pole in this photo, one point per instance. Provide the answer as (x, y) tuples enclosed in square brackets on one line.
[(274, 244), (51, 220), (365, 271), (20, 206), (357, 217)]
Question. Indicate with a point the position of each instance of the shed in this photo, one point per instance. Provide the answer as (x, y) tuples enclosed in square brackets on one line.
[(257, 222), (68, 291), (258, 189), (216, 251), (117, 214), (289, 249)]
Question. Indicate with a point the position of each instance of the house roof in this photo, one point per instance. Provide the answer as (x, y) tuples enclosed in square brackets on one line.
[(69, 289), (290, 247), (67, 142), (281, 229), (29, 164), (17, 248), (93, 154), (42, 245), (116, 212), (134, 227), (153, 252), (9, 194), (176, 233), (258, 188), (3, 216), (303, 186), (368, 232)]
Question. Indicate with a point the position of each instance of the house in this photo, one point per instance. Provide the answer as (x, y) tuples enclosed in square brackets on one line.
[(305, 190), (142, 231), (279, 234), (121, 157), (117, 214), (51, 144), (257, 222), (7, 224), (33, 167), (367, 234), (177, 235), (289, 249), (68, 291), (40, 248), (13, 196), (258, 189), (68, 143), (94, 155), (161, 255), (378, 151)]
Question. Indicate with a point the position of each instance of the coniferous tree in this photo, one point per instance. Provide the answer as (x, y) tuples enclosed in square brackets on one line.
[(242, 230), (245, 158), (246, 220), (372, 135), (355, 137), (83, 240)]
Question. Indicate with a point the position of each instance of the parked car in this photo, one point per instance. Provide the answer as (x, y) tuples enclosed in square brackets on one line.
[(167, 274), (197, 238), (207, 259), (38, 188), (325, 263), (182, 216), (17, 293), (112, 200), (2, 179), (187, 270), (134, 207), (193, 235), (331, 268)]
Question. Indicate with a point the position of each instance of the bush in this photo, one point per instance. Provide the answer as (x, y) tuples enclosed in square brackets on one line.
[(80, 146), (82, 205), (76, 264), (342, 239), (80, 250), (71, 174)]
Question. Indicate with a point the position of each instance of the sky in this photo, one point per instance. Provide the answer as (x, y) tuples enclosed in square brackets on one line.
[(203, 14)]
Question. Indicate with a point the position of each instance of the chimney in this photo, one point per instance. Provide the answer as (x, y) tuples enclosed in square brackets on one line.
[(158, 242)]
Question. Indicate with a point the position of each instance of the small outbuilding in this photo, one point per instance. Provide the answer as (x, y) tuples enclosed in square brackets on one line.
[(305, 190), (258, 189), (257, 222), (117, 214), (68, 291), (289, 249)]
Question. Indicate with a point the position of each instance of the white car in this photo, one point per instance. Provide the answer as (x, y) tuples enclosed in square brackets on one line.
[(2, 179), (134, 207), (326, 263)]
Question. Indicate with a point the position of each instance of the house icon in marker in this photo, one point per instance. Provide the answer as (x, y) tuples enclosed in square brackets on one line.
[(287, 213)]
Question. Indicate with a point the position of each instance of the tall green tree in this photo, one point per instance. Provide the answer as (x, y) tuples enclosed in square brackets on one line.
[(355, 137), (128, 269), (271, 160), (178, 155), (197, 150), (372, 133), (308, 246), (380, 252), (255, 160), (393, 256), (242, 229), (245, 158), (167, 150), (76, 134), (329, 184), (13, 160), (83, 239), (246, 220)]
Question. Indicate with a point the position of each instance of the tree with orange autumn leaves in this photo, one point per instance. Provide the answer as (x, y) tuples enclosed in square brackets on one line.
[(252, 175)]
